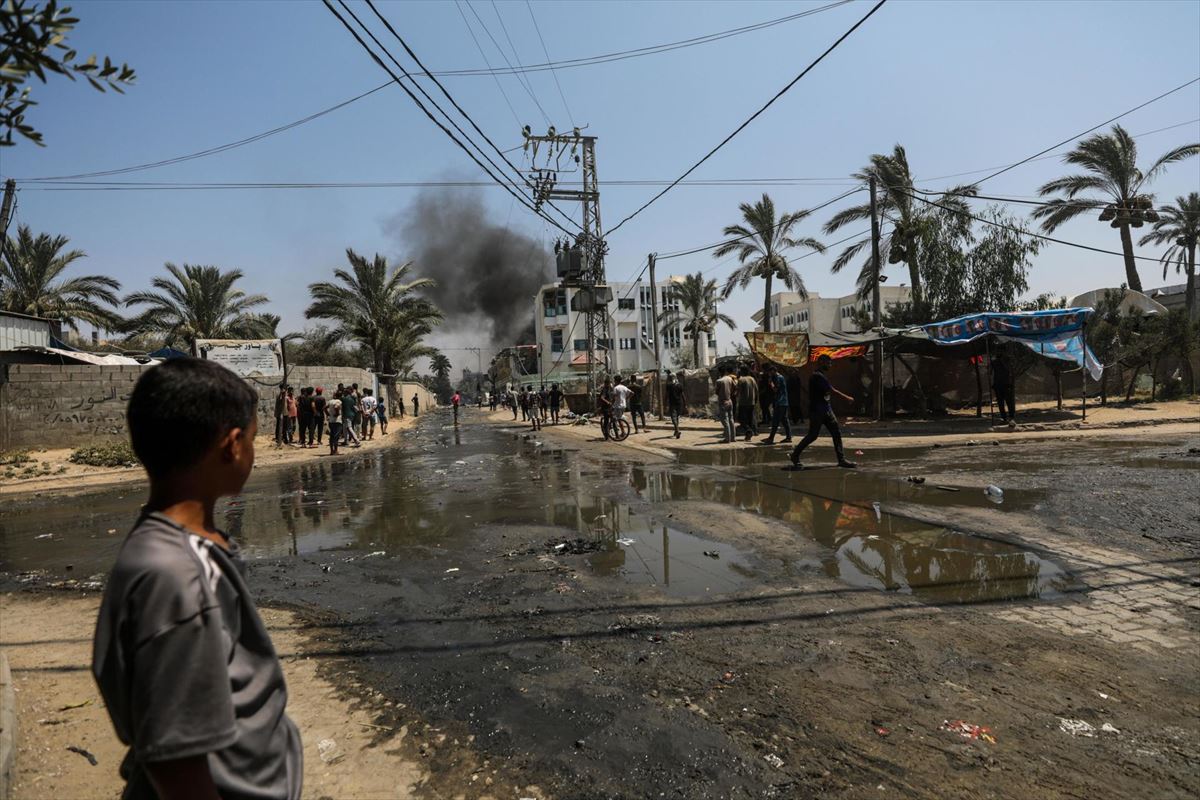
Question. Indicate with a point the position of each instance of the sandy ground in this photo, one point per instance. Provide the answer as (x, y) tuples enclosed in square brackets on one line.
[(75, 478), (48, 641), (1038, 421)]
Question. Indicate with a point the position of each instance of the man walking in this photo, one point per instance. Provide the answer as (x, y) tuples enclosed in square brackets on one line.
[(1004, 389), (367, 404), (455, 401), (725, 392), (780, 411), (674, 400), (604, 404), (334, 410), (747, 395), (555, 401), (820, 412), (635, 402), (416, 406), (319, 414)]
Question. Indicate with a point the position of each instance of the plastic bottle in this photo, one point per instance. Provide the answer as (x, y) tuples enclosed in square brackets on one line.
[(994, 493)]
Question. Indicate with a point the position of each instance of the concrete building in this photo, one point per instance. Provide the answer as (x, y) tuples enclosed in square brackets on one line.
[(1176, 297), (825, 314), (628, 343)]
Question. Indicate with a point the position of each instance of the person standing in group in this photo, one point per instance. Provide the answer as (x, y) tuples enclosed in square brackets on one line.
[(674, 401), (621, 395), (523, 399), (333, 409), (367, 404), (766, 392), (280, 416), (511, 397), (187, 671), (349, 415), (454, 401), (604, 404), (319, 414), (1005, 390), (555, 398), (305, 415), (544, 403), (293, 411), (535, 410), (747, 395), (779, 395), (400, 404), (820, 409), (726, 391), (635, 402), (381, 413), (416, 406)]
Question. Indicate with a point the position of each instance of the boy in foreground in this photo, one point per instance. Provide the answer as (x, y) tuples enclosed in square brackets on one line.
[(187, 671)]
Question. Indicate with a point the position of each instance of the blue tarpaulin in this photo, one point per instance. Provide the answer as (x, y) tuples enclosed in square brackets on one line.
[(1057, 333)]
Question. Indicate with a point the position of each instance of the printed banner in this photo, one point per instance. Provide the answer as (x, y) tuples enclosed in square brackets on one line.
[(1057, 333), (849, 351), (249, 358), (784, 349), (1017, 324)]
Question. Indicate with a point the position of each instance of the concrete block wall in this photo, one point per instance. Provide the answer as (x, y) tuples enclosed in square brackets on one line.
[(53, 406)]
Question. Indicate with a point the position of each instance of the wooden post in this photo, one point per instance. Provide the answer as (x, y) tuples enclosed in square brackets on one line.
[(1083, 392), (987, 343), (658, 381)]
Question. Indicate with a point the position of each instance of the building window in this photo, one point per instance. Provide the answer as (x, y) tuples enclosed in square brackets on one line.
[(804, 316), (581, 345), (625, 304), (556, 341), (628, 344), (604, 344), (554, 302)]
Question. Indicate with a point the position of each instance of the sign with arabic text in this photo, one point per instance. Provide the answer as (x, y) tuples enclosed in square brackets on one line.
[(249, 358)]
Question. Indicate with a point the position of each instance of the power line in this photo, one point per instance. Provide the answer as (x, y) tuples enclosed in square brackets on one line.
[(70, 185), (453, 102), (1022, 231), (513, 47), (639, 52), (566, 106), (424, 110), (753, 116), (495, 75), (1097, 204), (1089, 130), (520, 77)]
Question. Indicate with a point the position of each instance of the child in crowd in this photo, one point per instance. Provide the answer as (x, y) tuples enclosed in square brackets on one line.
[(188, 673)]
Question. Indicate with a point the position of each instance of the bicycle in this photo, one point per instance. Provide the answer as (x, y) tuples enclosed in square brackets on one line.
[(615, 429)]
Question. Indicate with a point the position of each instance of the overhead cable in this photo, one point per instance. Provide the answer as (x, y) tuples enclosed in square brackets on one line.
[(753, 116)]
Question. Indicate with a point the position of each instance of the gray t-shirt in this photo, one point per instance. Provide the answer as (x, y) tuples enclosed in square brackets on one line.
[(186, 667)]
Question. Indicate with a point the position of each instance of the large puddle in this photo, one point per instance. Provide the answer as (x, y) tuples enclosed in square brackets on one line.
[(448, 486)]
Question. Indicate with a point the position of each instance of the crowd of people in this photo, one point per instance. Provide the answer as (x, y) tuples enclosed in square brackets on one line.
[(348, 417), (536, 406)]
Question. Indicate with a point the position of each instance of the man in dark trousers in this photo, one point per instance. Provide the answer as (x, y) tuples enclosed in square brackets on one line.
[(1005, 391), (416, 406), (779, 402), (318, 414), (820, 411)]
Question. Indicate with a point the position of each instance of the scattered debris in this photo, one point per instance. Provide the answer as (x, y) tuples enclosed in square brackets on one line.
[(44, 536), (968, 730), (328, 750), (452, 569), (882, 731), (712, 554), (91, 758), (947, 488), (728, 677), (558, 548), (1076, 727), (917, 479), (1108, 727), (878, 513), (70, 706), (625, 542), (774, 760), (994, 493)]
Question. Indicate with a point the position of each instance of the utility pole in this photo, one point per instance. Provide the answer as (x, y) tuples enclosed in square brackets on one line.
[(10, 195), (658, 379), (875, 310), (589, 243)]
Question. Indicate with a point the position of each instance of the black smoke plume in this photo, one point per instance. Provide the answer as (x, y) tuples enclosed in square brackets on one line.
[(484, 272)]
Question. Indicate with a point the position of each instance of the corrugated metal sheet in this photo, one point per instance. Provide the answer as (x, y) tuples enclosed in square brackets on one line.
[(18, 330)]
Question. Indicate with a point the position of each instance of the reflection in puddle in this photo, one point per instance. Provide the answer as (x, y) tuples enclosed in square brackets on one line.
[(870, 549)]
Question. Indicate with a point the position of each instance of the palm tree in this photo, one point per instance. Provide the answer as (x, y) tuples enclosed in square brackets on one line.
[(199, 302), (373, 305), (1110, 168), (31, 283), (760, 244), (440, 366), (695, 301), (896, 202), (1179, 226)]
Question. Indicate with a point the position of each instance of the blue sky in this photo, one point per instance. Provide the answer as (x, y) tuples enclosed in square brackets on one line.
[(963, 86)]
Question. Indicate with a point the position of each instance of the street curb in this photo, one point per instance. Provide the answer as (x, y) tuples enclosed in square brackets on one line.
[(8, 728)]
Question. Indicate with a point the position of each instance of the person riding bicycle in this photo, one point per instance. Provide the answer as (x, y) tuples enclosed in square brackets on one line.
[(621, 395), (604, 402)]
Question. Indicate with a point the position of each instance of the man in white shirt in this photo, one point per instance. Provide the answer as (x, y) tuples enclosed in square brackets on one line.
[(621, 394)]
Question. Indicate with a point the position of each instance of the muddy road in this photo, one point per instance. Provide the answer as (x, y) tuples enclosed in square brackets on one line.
[(554, 618)]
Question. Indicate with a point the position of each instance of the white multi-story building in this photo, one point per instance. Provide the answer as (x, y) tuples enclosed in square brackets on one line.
[(628, 342), (825, 314)]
